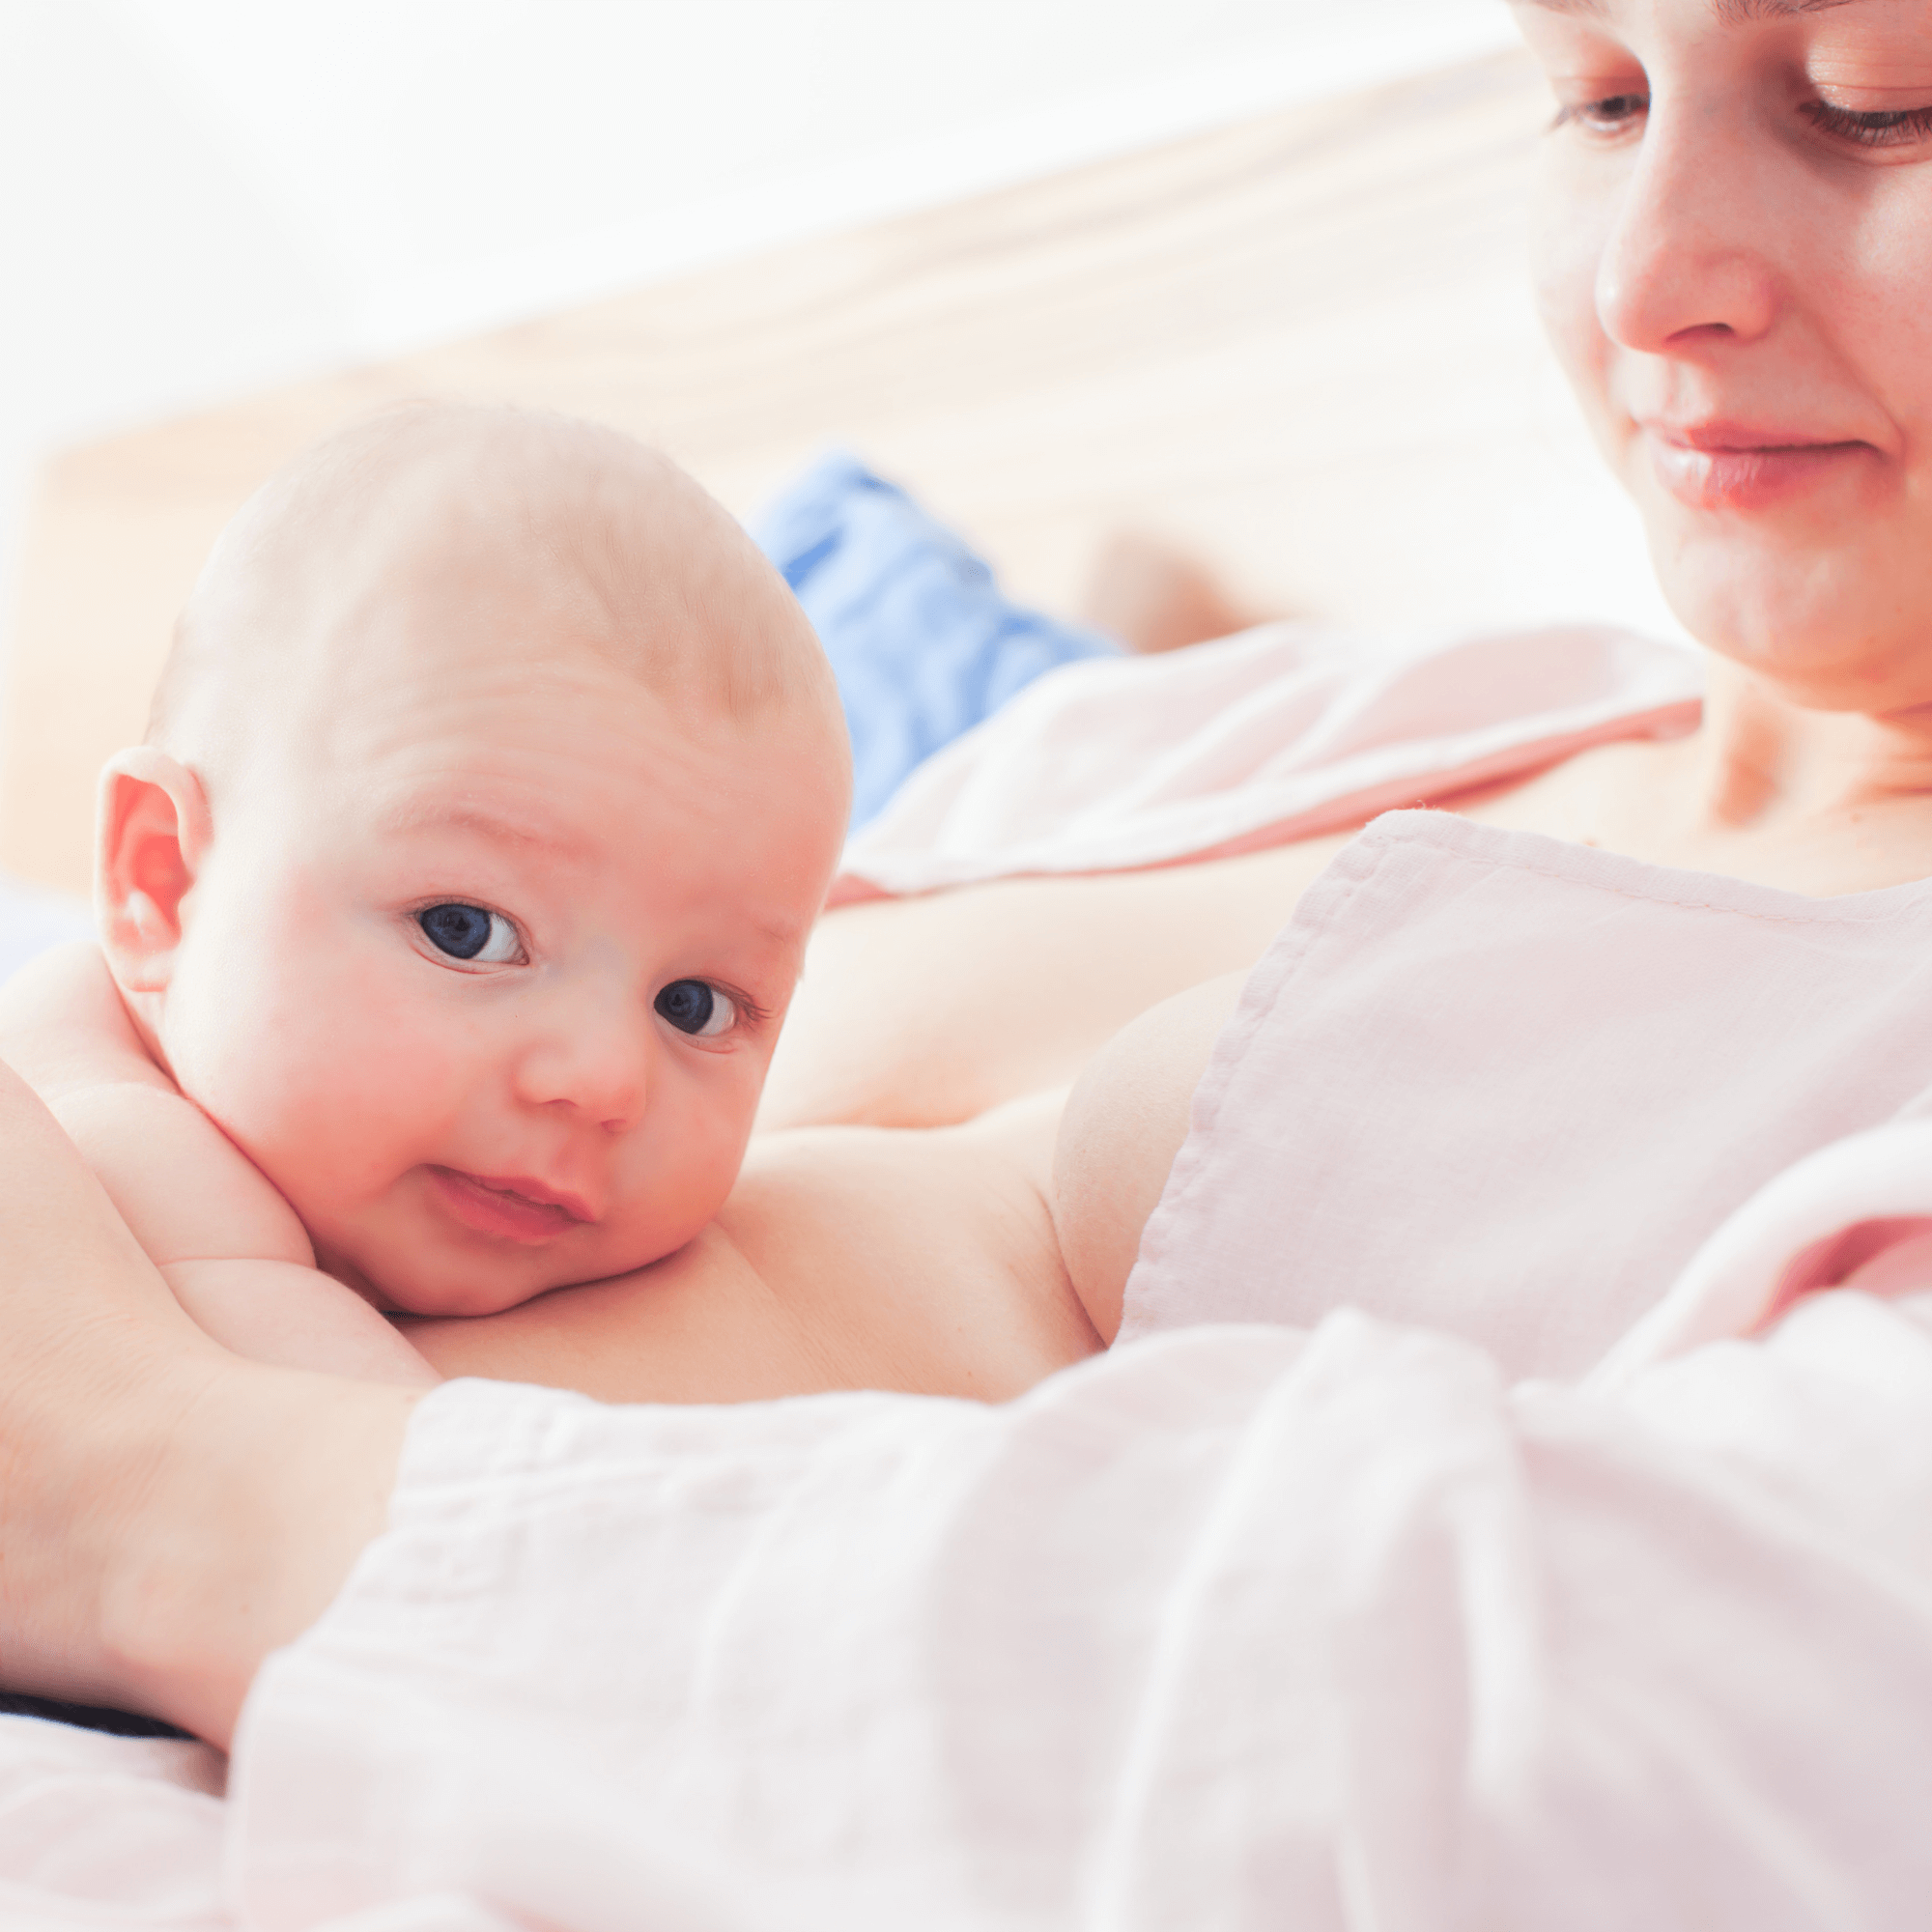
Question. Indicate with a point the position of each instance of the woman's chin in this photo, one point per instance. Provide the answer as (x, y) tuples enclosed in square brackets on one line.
[(1825, 625)]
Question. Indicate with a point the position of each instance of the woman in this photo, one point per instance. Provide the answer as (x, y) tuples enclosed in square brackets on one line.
[(1735, 317), (1208, 1630)]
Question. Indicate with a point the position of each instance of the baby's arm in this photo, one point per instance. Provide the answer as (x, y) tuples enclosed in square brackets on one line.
[(1124, 1122), (231, 1248)]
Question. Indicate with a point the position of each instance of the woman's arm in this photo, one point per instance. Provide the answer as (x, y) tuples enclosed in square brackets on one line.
[(925, 1012), (231, 1247), (170, 1511)]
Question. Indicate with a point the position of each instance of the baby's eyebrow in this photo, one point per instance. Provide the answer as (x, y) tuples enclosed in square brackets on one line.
[(408, 816), (457, 815)]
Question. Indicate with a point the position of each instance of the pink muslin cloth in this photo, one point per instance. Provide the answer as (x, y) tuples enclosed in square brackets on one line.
[(1489, 1082), (1237, 1627), (1281, 732)]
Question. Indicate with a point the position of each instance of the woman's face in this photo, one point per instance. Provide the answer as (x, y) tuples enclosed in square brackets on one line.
[(1735, 263)]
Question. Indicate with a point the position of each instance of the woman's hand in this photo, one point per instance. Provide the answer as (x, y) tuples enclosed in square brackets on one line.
[(169, 1514)]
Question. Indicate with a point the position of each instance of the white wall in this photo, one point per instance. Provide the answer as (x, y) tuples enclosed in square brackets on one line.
[(200, 197)]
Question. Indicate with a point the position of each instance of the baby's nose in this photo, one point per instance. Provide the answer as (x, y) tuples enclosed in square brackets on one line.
[(592, 1058)]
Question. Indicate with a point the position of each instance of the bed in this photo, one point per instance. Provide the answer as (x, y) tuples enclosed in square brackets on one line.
[(1300, 347)]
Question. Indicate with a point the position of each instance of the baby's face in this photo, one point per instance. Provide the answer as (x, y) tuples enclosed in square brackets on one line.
[(488, 986)]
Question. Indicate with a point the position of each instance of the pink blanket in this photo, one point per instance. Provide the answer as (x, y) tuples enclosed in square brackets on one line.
[(1236, 1627), (1279, 733), (1242, 1625), (1489, 1082)]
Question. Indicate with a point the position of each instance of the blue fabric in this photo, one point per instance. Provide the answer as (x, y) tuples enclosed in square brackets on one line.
[(923, 642)]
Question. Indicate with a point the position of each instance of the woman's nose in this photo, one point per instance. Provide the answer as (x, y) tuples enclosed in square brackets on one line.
[(592, 1055), (1690, 253)]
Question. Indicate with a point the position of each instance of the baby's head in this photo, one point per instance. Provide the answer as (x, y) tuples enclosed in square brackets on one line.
[(492, 789)]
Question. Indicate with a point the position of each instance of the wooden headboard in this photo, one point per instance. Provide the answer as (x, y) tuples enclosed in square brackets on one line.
[(1300, 345)]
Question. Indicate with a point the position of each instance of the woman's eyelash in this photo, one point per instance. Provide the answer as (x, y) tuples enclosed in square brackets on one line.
[(1887, 129), (1612, 109), (1893, 127)]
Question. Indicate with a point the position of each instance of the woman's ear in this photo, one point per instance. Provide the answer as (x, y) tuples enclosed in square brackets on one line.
[(152, 838)]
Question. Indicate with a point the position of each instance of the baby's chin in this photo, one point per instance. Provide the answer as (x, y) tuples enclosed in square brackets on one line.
[(463, 1284)]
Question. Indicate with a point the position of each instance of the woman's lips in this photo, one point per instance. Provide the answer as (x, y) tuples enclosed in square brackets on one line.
[(1717, 468), (515, 1209)]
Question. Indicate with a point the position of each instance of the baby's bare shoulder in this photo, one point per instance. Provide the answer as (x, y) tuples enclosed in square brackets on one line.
[(925, 1258), (63, 1026), (186, 1191)]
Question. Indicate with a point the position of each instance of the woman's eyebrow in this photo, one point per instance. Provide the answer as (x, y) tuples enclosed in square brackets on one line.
[(1733, 13)]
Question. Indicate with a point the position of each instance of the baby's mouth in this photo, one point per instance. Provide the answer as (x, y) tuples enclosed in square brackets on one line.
[(515, 1209)]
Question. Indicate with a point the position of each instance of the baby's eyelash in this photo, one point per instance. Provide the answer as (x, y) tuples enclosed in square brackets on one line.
[(1893, 127), (748, 1009)]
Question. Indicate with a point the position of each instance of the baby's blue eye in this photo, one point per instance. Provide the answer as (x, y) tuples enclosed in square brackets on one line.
[(469, 932), (694, 1007)]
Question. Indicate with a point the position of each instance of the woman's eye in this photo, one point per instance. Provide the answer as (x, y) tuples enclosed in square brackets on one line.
[(694, 1007), (1893, 128), (469, 932), (1610, 115)]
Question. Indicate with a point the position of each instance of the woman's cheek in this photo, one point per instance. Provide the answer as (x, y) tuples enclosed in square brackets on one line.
[(1569, 229), (1882, 298)]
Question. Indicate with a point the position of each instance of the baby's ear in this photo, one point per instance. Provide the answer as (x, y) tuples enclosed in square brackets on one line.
[(152, 836)]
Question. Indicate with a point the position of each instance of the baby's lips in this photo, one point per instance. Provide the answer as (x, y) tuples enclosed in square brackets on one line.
[(536, 1191), (510, 1208)]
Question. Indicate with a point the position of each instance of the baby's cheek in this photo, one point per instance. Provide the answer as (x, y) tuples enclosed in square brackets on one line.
[(340, 1105), (685, 1170)]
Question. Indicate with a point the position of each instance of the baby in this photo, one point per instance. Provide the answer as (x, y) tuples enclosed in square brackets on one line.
[(450, 913)]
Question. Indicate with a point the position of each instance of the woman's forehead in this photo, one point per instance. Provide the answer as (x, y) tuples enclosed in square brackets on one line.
[(1898, 26)]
